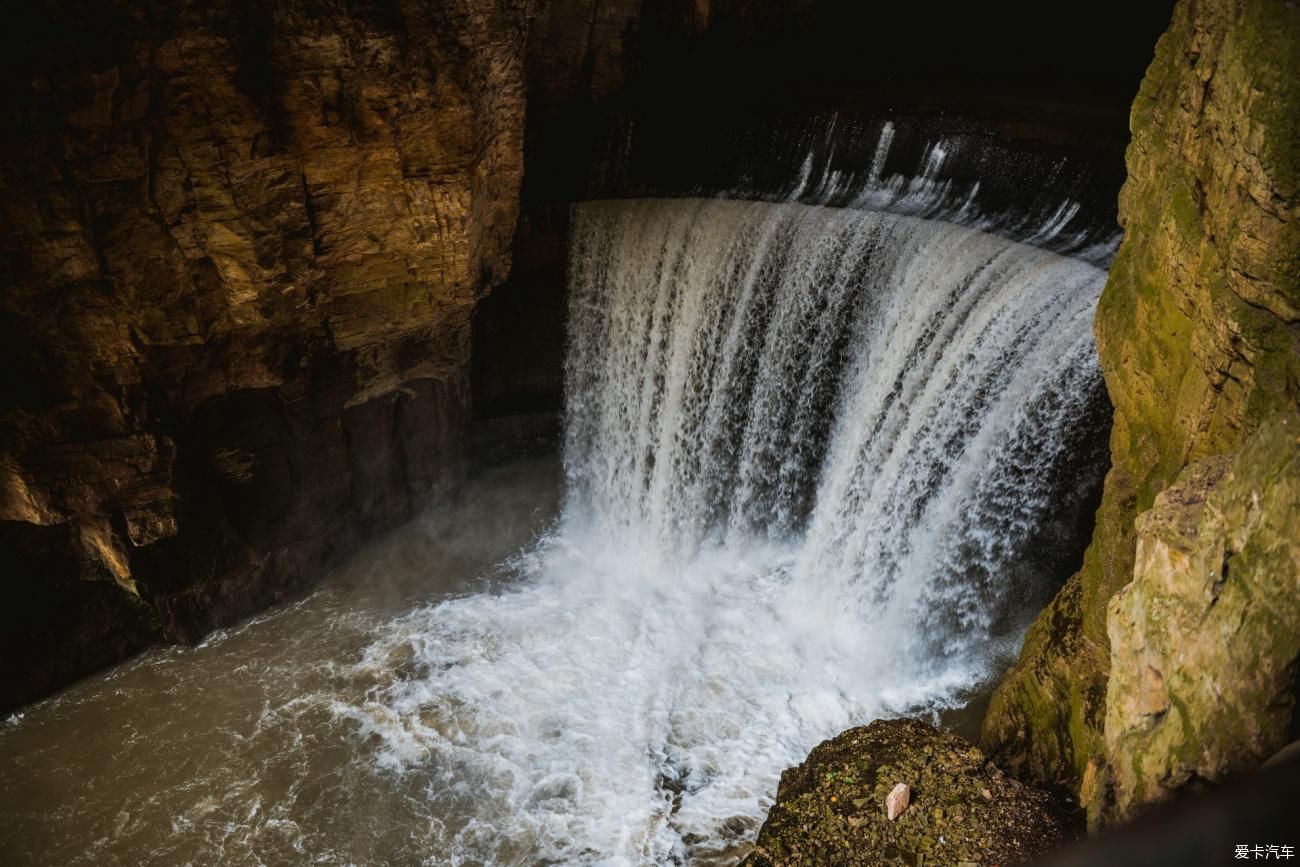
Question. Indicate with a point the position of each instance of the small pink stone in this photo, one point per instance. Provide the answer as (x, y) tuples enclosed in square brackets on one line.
[(898, 800)]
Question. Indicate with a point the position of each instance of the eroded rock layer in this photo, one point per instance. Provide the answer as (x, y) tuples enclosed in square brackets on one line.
[(243, 243)]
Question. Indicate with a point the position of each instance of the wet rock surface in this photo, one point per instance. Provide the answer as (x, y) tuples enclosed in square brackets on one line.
[(831, 810), (1199, 341)]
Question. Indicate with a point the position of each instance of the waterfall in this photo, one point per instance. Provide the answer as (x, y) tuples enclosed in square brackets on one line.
[(805, 448), (886, 396)]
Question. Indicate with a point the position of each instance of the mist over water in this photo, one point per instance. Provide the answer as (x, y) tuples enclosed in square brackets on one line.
[(806, 451), (231, 752), (801, 444)]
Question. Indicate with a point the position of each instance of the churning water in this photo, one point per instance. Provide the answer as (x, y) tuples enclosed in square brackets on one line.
[(807, 450)]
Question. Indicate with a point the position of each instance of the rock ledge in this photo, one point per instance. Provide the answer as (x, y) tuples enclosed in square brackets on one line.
[(831, 809)]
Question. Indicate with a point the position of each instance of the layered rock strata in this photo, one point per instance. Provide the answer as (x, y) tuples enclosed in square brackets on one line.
[(243, 244)]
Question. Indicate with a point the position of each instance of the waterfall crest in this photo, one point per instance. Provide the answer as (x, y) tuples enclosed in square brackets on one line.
[(804, 448), (888, 396)]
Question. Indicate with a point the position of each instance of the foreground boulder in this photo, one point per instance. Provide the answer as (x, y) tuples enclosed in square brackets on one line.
[(962, 809)]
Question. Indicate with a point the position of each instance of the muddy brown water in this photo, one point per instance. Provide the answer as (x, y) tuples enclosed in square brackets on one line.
[(229, 752)]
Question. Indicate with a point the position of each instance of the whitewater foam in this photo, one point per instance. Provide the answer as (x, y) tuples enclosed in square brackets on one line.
[(803, 447)]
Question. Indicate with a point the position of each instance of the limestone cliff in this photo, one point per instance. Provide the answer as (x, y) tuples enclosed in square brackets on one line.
[(1205, 641), (243, 243), (1199, 336)]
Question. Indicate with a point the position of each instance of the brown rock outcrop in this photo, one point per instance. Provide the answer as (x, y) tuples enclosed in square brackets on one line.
[(243, 243), (1205, 641)]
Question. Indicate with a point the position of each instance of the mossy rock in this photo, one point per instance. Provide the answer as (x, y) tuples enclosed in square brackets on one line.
[(1206, 639), (830, 810)]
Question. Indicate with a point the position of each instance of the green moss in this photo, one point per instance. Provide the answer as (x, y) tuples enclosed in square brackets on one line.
[(831, 809), (1193, 348), (1229, 701), (1265, 47)]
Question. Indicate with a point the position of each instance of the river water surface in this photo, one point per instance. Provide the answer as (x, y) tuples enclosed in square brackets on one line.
[(233, 752)]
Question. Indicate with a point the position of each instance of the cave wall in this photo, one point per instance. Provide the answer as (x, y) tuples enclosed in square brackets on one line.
[(242, 246), (1198, 332)]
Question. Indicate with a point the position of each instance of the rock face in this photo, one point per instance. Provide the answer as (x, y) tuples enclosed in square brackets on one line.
[(1199, 336), (242, 245), (831, 809), (1205, 641)]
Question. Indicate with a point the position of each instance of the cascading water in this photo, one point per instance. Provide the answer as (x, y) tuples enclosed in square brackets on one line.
[(803, 446), (814, 459)]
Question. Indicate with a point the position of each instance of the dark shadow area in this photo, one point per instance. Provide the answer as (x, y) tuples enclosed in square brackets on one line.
[(1260, 810)]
